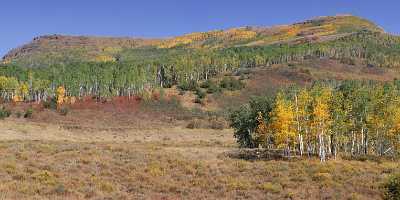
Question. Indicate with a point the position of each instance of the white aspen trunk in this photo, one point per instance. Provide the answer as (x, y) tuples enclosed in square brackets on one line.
[(335, 151), (362, 138), (321, 148), (352, 143), (357, 144), (366, 144), (301, 144), (329, 146)]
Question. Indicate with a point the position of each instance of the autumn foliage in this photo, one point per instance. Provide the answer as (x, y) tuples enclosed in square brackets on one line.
[(351, 118), (60, 95)]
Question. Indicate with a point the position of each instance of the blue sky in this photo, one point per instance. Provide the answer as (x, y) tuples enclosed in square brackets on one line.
[(21, 20)]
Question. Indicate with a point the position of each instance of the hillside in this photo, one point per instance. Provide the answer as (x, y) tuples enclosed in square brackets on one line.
[(109, 67), (55, 49)]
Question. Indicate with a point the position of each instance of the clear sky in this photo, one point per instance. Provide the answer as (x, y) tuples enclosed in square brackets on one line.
[(21, 20)]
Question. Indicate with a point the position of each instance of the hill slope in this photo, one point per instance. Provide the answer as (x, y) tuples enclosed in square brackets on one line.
[(106, 67), (55, 49)]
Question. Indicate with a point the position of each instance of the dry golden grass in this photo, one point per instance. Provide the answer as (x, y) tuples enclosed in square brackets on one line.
[(43, 161)]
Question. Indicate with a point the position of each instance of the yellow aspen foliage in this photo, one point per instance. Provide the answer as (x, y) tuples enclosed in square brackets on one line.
[(321, 113), (282, 122), (241, 34), (23, 91), (262, 133), (304, 100), (328, 29), (228, 35), (105, 58), (69, 100), (396, 120), (112, 49), (6, 61), (72, 100), (17, 98), (394, 130), (186, 39), (60, 95), (3, 82), (293, 31)]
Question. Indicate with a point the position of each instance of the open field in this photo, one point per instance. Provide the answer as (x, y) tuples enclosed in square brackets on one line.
[(133, 149), (49, 161)]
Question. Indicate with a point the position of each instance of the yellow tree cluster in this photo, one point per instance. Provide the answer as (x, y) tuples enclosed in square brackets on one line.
[(104, 58), (293, 31), (240, 34), (353, 118), (282, 122), (21, 93), (228, 35), (60, 95), (11, 89)]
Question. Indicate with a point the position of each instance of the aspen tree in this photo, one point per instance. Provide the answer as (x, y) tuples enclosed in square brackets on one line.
[(60, 96), (282, 123), (321, 119), (262, 136)]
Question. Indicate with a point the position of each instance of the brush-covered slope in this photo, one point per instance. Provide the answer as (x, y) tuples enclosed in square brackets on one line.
[(57, 49)]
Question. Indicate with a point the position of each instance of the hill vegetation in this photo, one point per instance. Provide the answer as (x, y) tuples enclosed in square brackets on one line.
[(105, 67)]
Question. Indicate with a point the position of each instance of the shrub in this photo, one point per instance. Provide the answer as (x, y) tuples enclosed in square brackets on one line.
[(106, 186), (243, 120), (243, 77), (216, 124), (28, 113), (348, 61), (4, 113), (237, 184), (188, 85), (206, 84), (45, 177), (18, 114), (271, 187), (242, 71), (200, 93), (211, 86), (181, 92), (198, 100), (373, 158), (50, 104), (64, 111), (154, 169), (231, 84), (392, 188), (194, 124), (60, 189), (213, 89), (172, 105)]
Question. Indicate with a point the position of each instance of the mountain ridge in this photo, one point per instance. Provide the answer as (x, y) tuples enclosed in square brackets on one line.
[(103, 49)]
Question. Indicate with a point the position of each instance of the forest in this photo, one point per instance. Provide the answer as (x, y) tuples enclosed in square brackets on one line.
[(326, 119), (137, 70)]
